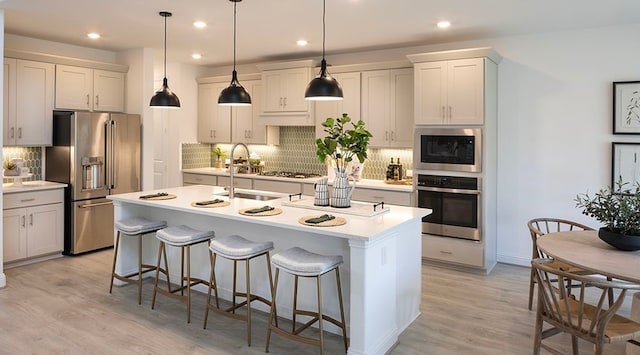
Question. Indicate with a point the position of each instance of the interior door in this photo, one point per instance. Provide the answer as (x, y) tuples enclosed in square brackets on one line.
[(160, 153)]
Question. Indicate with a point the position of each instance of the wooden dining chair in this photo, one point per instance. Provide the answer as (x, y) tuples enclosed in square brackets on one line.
[(596, 323), (541, 226)]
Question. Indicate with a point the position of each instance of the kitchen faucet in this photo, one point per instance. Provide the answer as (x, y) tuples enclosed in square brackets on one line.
[(232, 166)]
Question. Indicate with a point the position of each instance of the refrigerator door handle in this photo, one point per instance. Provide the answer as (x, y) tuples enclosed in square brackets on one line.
[(113, 163), (89, 205)]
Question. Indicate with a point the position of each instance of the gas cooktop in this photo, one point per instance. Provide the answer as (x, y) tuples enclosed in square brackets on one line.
[(289, 174)]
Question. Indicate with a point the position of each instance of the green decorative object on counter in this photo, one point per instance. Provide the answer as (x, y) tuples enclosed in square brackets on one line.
[(10, 168), (342, 143), (619, 210)]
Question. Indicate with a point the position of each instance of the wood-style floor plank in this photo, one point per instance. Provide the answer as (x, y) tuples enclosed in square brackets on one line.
[(63, 306)]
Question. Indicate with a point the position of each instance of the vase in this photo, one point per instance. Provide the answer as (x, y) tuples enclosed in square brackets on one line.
[(342, 190), (219, 163), (321, 192), (620, 241)]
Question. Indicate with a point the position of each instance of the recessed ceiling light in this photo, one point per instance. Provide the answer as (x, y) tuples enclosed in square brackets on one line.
[(443, 24), (302, 42), (93, 35), (200, 24), (196, 56)]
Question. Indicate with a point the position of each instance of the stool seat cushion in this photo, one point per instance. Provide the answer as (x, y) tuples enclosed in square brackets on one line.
[(138, 225), (301, 262), (236, 247), (183, 235)]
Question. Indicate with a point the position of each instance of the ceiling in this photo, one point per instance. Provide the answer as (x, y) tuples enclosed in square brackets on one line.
[(268, 29)]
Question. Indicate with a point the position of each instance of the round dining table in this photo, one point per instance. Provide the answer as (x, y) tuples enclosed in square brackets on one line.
[(585, 250)]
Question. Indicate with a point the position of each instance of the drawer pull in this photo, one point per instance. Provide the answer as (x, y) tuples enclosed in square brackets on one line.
[(28, 200), (379, 197), (89, 205), (446, 252)]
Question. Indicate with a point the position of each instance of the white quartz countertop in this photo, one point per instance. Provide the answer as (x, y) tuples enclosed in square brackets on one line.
[(28, 186), (365, 183), (356, 227)]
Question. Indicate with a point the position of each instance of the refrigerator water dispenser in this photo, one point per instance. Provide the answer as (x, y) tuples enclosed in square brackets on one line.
[(91, 173)]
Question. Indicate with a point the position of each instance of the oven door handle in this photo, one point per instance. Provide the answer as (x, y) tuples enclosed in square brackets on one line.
[(453, 191)]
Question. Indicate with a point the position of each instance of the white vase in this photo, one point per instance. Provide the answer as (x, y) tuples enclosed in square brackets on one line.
[(342, 190)]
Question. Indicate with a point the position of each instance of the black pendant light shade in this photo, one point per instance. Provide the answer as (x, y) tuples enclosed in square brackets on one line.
[(165, 98), (323, 87), (234, 94)]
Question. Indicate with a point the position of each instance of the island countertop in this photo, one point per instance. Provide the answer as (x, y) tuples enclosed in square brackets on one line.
[(380, 277), (357, 227)]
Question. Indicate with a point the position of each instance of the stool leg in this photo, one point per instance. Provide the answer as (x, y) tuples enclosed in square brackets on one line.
[(271, 284), (233, 294), (139, 268), (155, 285), (211, 276), (182, 270), (320, 314), (295, 302), (115, 257), (248, 281), (166, 265), (215, 283), (273, 308), (344, 324), (188, 284)]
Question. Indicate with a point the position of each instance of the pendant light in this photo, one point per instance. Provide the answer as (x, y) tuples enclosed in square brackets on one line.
[(323, 87), (165, 98), (234, 94)]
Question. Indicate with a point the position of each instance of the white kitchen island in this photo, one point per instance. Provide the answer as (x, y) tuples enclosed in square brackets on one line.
[(381, 275)]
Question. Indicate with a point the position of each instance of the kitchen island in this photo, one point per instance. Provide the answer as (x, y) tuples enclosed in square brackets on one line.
[(381, 275)]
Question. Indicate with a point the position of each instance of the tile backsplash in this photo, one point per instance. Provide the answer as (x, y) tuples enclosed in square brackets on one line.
[(32, 159), (296, 152)]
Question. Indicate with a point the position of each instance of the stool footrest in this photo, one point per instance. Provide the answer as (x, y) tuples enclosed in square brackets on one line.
[(172, 293), (296, 337), (315, 319)]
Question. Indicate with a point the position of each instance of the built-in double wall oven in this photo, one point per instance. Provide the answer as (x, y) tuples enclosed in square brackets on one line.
[(452, 189)]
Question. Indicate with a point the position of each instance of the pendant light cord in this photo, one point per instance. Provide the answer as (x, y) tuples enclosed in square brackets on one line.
[(324, 10), (165, 46), (234, 35)]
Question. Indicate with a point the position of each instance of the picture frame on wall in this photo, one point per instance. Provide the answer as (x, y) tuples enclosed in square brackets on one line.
[(625, 164), (626, 107)]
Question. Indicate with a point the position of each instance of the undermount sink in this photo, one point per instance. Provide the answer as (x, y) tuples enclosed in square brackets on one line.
[(250, 196)]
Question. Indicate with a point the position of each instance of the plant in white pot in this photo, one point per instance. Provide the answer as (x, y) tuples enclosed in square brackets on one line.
[(343, 144), (619, 210)]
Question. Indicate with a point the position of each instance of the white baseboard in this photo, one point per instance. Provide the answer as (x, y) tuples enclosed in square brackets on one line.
[(3, 280), (506, 259)]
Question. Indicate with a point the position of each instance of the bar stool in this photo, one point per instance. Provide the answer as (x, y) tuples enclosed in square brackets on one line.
[(183, 237), (135, 226), (237, 248), (302, 263)]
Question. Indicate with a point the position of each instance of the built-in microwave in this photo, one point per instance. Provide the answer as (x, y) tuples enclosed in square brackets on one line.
[(448, 149)]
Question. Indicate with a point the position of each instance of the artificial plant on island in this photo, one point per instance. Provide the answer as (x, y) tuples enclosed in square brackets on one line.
[(342, 142)]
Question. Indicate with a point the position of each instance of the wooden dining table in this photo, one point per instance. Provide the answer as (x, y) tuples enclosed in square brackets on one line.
[(585, 250)]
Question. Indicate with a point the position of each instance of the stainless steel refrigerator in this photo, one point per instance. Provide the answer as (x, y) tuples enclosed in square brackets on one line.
[(96, 154)]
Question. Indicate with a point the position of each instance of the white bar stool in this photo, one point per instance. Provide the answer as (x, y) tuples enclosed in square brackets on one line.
[(134, 227), (183, 237), (237, 248), (302, 263)]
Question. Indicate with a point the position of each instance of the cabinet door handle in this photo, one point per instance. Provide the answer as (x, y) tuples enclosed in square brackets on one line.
[(20, 132), (443, 116), (250, 134), (23, 221), (393, 135), (280, 101), (386, 135), (31, 219), (381, 198), (12, 132), (446, 252), (450, 113), (210, 133), (28, 200), (97, 100), (87, 100), (214, 133), (285, 101)]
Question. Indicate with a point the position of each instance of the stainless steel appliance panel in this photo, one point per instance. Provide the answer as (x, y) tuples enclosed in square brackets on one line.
[(92, 225), (448, 149), (124, 154), (89, 146)]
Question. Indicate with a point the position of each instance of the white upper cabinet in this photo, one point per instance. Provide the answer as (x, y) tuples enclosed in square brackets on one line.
[(214, 121), (387, 107), (350, 104), (28, 102), (284, 89), (79, 88), (450, 92), (247, 125)]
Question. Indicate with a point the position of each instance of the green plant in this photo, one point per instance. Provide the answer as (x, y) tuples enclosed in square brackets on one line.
[(618, 209), (343, 143), (219, 153), (9, 165)]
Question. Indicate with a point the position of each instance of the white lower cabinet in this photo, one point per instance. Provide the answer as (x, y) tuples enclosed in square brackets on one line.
[(374, 195), (33, 224), (277, 186), (199, 179), (452, 250), (243, 183)]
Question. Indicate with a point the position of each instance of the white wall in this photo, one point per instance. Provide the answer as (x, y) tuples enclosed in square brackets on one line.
[(3, 278)]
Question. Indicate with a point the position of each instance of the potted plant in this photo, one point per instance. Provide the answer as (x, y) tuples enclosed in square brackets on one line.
[(220, 155), (619, 210), (10, 168), (343, 144)]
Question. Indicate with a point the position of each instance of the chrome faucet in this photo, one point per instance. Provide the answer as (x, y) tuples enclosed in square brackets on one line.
[(232, 166)]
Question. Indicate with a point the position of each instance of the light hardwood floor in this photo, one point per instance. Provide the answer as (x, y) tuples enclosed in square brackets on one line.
[(63, 306)]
